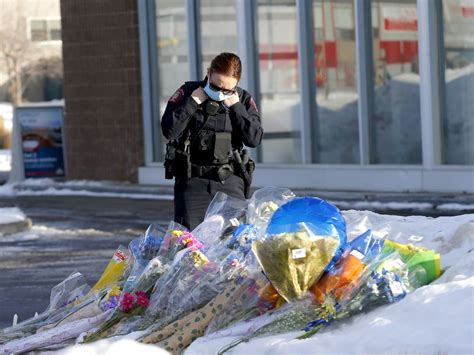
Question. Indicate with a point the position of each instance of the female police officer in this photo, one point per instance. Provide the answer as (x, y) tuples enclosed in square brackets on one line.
[(207, 124)]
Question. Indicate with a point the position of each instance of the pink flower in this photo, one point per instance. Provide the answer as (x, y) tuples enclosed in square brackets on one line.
[(127, 303), (186, 237), (142, 300), (194, 243), (141, 294), (188, 240)]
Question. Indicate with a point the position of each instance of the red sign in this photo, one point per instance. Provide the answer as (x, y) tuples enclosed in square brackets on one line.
[(467, 11), (392, 24)]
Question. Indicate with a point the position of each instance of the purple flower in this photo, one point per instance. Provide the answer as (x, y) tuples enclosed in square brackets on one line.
[(111, 303)]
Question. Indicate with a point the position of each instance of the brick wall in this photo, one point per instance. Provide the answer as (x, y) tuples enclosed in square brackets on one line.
[(103, 123)]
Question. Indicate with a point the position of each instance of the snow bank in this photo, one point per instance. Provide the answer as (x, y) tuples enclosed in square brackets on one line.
[(438, 318), (11, 215), (455, 206), (5, 160), (50, 187), (107, 347)]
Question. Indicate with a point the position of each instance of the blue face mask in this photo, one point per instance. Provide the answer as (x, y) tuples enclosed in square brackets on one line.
[(215, 95)]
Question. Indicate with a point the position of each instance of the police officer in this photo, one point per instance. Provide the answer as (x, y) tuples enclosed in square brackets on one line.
[(208, 123)]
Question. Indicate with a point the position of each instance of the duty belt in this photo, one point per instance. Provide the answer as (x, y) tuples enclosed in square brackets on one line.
[(220, 172), (202, 170)]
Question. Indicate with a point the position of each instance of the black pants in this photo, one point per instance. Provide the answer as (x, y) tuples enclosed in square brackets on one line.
[(193, 196)]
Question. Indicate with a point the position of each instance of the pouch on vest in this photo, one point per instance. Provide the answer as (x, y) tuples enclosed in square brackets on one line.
[(222, 146), (177, 161)]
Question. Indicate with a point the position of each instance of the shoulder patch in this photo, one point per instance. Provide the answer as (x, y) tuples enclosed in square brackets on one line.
[(177, 96), (253, 104)]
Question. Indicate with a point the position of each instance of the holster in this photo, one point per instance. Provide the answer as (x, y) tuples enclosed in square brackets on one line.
[(177, 162), (244, 166)]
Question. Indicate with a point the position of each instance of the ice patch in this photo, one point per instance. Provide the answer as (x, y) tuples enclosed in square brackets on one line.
[(11, 215)]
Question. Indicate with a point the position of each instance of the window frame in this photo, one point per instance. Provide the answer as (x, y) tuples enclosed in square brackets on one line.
[(48, 20)]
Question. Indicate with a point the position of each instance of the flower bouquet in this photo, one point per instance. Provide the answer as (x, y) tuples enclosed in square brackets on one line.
[(264, 202), (320, 304), (136, 294), (187, 269), (130, 304), (114, 270), (169, 246), (294, 261), (387, 278)]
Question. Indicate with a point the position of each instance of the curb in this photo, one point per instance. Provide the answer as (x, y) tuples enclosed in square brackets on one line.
[(15, 227)]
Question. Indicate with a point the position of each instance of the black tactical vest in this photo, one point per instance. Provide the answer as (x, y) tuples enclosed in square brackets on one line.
[(210, 136)]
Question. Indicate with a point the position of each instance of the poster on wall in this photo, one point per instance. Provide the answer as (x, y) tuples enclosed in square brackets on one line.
[(42, 144)]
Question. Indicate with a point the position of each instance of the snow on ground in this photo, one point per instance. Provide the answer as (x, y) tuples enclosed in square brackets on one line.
[(438, 318), (385, 205), (121, 347), (5, 160), (455, 206), (49, 187), (11, 215), (68, 192)]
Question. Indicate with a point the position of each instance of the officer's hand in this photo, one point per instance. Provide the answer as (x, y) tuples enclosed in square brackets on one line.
[(199, 95), (232, 100)]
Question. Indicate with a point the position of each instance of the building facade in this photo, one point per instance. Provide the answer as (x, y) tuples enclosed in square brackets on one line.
[(354, 95), (30, 51)]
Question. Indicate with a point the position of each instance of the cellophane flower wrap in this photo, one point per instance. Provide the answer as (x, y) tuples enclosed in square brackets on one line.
[(65, 297), (386, 276), (293, 261), (172, 286), (304, 237), (146, 270), (333, 291), (169, 245), (202, 265), (188, 264), (143, 250)]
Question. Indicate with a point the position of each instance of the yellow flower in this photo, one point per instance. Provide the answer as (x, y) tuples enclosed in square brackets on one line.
[(177, 233), (199, 258), (114, 291), (187, 240)]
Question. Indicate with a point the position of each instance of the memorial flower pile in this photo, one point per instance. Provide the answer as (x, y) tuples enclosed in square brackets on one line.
[(274, 264)]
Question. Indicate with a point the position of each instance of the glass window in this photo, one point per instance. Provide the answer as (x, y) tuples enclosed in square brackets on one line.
[(336, 80), (280, 96), (397, 118), (54, 30), (172, 49), (38, 30), (218, 29), (459, 74), (42, 30)]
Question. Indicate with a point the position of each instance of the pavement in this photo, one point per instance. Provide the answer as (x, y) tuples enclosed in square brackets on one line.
[(80, 233), (68, 234)]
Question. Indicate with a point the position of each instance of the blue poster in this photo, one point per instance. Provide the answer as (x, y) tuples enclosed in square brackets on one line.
[(42, 140)]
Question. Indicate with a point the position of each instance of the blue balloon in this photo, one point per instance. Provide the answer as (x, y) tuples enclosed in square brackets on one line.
[(321, 217)]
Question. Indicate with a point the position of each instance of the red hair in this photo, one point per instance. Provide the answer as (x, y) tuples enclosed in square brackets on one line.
[(227, 64)]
